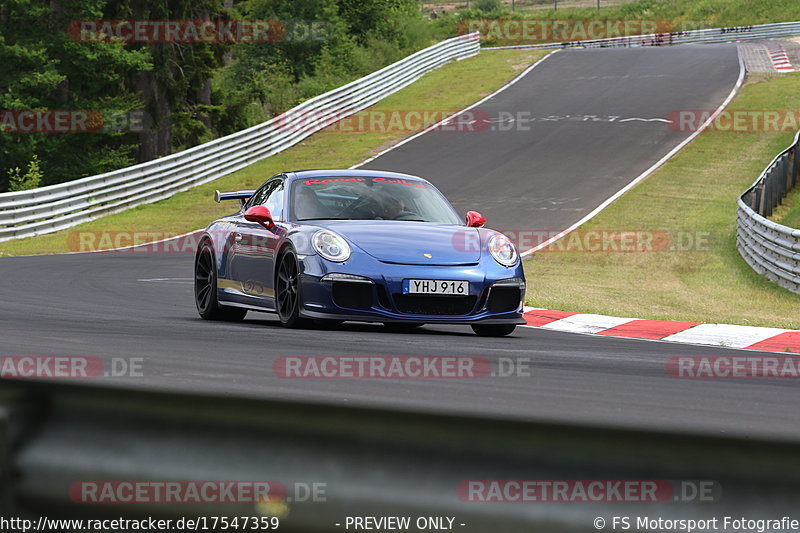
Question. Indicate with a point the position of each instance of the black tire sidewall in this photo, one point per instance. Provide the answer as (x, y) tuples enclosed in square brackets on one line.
[(213, 305), (215, 311), (293, 320)]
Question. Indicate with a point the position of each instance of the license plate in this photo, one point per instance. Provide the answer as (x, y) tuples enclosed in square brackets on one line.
[(435, 286)]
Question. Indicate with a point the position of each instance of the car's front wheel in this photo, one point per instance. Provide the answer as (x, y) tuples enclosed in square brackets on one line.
[(493, 330), (287, 291), (205, 289)]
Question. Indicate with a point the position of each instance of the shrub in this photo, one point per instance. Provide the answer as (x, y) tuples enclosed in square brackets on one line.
[(31, 179)]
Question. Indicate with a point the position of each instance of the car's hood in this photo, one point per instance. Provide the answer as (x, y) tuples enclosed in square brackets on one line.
[(409, 242)]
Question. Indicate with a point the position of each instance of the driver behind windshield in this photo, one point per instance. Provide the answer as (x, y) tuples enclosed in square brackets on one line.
[(392, 207), (364, 199)]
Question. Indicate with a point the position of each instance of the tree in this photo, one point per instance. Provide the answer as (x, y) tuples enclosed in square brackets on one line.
[(46, 70)]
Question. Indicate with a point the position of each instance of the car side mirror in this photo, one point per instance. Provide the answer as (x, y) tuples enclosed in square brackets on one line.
[(475, 219), (261, 215)]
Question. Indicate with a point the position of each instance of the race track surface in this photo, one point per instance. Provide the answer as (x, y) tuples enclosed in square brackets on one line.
[(140, 305), (94, 305), (588, 123)]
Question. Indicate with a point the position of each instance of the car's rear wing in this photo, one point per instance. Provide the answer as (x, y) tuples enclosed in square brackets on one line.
[(238, 195)]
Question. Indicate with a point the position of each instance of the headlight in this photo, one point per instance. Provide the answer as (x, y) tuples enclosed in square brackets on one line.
[(503, 251), (331, 246)]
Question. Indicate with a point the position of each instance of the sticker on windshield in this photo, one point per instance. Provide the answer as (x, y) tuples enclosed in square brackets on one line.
[(317, 181)]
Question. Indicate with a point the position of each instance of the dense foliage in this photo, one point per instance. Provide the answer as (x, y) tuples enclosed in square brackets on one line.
[(44, 69), (159, 97)]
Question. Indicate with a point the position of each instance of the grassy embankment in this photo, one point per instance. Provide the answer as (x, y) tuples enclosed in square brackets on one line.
[(693, 196), (711, 13)]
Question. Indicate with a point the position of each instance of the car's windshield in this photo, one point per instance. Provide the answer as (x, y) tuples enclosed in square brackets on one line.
[(367, 198)]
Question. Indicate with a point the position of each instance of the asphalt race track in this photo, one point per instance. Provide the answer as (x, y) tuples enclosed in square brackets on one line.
[(140, 305), (590, 121)]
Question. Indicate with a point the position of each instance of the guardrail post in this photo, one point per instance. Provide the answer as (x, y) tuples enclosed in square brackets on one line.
[(767, 195), (759, 203), (780, 179), (796, 166)]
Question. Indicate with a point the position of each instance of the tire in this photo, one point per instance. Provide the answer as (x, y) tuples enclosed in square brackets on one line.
[(402, 327), (493, 330), (288, 291), (205, 289)]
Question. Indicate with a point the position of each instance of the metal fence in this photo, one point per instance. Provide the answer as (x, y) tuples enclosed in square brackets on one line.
[(704, 36), (370, 461), (771, 249), (56, 207)]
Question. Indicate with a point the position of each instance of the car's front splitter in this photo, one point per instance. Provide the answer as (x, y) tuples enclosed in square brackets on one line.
[(516, 318)]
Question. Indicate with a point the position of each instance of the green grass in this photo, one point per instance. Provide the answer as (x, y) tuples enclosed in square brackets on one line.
[(684, 13), (447, 89), (788, 213), (715, 12), (695, 192), (670, 15)]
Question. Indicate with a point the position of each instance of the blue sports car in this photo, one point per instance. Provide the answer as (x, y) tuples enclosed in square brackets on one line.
[(329, 246)]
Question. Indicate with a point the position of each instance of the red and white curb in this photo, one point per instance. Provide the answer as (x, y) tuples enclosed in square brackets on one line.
[(780, 60), (724, 335)]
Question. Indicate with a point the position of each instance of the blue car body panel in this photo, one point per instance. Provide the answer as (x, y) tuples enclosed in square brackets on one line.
[(384, 254)]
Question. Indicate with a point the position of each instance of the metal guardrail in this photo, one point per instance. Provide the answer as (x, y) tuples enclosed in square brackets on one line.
[(771, 249), (707, 36), (371, 461), (55, 207)]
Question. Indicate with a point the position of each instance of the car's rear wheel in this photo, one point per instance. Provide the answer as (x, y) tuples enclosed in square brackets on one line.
[(287, 291), (493, 330), (205, 289)]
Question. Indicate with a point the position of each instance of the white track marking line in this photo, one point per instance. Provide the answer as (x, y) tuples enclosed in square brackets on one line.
[(167, 280), (724, 335), (446, 120), (586, 323), (646, 120), (652, 169)]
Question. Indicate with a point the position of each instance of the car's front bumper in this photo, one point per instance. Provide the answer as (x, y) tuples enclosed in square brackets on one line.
[(377, 296)]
